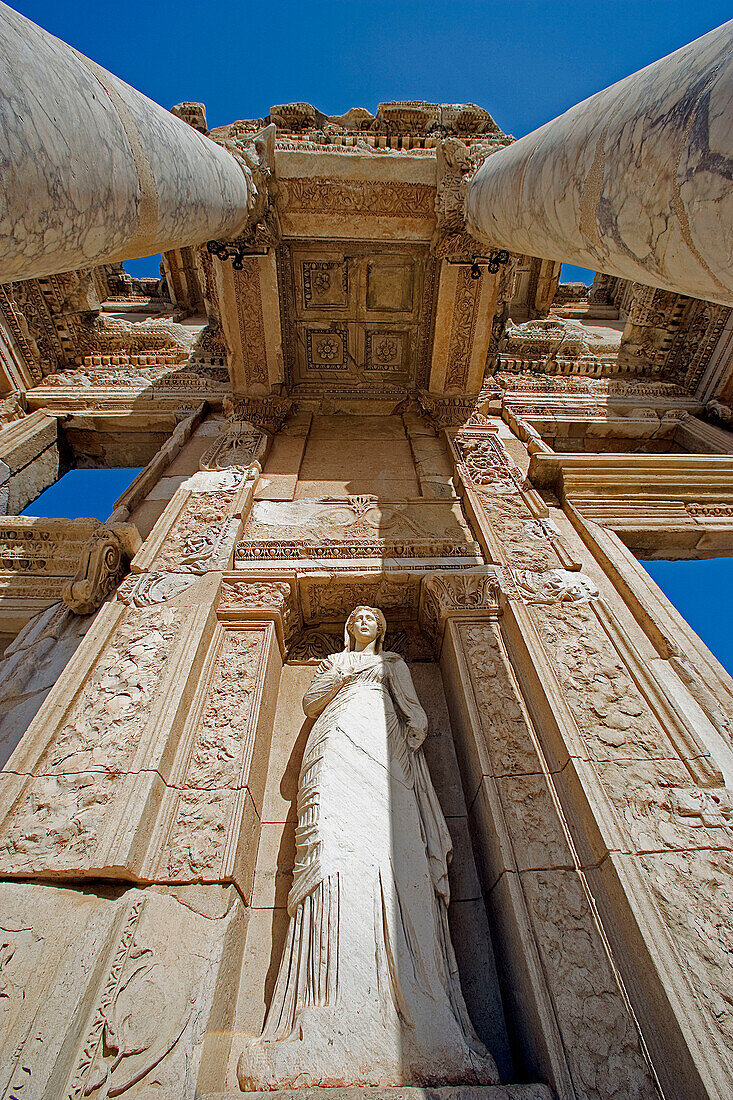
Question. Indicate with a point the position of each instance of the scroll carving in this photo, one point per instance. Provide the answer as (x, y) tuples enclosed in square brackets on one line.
[(148, 589), (142, 1014), (240, 444), (463, 327), (103, 564)]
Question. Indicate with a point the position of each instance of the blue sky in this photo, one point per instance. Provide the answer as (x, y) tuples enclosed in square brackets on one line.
[(703, 593), (82, 493), (524, 61)]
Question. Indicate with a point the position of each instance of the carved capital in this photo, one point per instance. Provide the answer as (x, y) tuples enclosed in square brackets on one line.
[(457, 163), (103, 564), (448, 412), (458, 596), (254, 599)]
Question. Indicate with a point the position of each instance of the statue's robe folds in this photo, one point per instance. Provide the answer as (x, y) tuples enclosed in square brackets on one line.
[(368, 990)]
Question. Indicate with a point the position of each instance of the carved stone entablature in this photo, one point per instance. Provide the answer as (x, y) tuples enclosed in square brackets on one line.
[(45, 553), (721, 509), (51, 319), (304, 123), (192, 113), (525, 384), (269, 412), (557, 345), (103, 564), (356, 528), (157, 379), (457, 595), (260, 597)]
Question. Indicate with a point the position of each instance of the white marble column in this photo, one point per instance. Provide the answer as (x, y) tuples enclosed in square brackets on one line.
[(94, 171), (634, 181)]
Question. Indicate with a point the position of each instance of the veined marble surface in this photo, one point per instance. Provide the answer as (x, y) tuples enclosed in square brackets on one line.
[(635, 181), (94, 171)]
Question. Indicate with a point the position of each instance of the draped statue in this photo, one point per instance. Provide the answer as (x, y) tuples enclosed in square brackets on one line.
[(368, 991)]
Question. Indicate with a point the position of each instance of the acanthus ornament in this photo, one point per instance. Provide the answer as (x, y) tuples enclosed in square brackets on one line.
[(457, 595), (256, 598), (269, 413)]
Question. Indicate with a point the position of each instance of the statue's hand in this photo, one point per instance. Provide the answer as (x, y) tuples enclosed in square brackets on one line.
[(414, 738)]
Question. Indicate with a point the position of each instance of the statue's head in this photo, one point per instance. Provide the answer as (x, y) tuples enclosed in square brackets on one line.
[(366, 624)]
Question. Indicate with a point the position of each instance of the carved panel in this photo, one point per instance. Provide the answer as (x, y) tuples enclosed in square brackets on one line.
[(248, 295), (604, 1052), (372, 198), (325, 284), (359, 527), (327, 349), (463, 327), (356, 308), (239, 444), (202, 536), (59, 817), (210, 808), (390, 285), (386, 350)]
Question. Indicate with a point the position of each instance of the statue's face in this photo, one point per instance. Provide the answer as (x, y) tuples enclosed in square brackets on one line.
[(365, 625)]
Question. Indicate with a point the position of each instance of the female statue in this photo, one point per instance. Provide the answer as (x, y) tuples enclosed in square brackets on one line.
[(368, 990)]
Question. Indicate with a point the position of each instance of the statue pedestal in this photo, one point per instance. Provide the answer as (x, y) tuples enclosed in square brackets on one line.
[(355, 1092)]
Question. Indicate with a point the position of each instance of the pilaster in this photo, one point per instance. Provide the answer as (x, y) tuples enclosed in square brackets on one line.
[(631, 763)]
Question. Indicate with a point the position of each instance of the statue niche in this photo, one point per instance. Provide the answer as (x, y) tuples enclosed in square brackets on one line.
[(368, 991)]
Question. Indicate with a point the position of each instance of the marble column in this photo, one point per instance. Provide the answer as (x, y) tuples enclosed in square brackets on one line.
[(93, 171), (634, 181)]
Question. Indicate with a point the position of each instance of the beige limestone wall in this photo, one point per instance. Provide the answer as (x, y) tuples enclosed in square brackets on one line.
[(148, 810)]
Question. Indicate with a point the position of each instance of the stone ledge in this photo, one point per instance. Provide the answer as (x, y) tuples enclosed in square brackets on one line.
[(447, 1092)]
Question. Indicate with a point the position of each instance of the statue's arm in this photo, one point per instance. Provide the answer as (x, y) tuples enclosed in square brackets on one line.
[(408, 704), (324, 686)]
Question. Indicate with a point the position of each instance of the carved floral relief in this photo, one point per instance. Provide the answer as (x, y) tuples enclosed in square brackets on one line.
[(63, 808), (217, 774)]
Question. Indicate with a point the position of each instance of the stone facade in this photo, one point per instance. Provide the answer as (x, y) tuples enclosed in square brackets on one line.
[(356, 403)]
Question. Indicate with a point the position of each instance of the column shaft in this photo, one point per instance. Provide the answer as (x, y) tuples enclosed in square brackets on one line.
[(92, 170), (634, 181)]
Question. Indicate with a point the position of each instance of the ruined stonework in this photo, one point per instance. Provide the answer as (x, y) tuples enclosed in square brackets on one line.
[(356, 749)]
